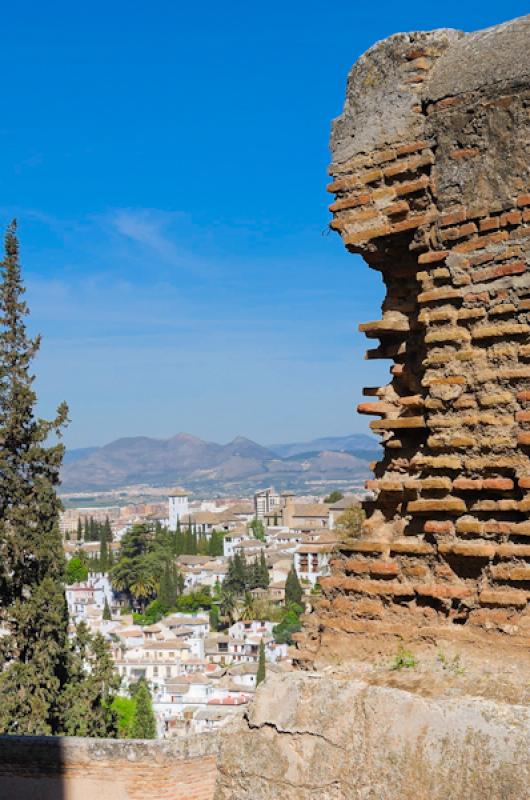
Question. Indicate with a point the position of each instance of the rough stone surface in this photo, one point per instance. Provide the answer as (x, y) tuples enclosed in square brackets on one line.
[(312, 737)]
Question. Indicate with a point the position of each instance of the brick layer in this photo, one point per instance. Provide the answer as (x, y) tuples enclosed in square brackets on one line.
[(453, 487)]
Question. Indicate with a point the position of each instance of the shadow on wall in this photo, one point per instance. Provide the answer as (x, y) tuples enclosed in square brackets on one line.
[(31, 768), (70, 768)]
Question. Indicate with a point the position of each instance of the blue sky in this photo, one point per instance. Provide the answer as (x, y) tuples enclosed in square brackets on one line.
[(167, 165)]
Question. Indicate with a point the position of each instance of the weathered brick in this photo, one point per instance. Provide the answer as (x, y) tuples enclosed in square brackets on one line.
[(489, 224), (465, 152), (443, 591), (498, 271), (467, 484), (353, 201), (511, 218), (424, 506), (512, 597), (498, 484), (439, 526), (433, 256)]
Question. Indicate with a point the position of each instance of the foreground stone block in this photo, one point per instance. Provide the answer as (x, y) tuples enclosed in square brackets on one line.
[(310, 737)]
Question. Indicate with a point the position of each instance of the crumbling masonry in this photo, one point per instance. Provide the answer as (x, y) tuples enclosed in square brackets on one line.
[(431, 177)]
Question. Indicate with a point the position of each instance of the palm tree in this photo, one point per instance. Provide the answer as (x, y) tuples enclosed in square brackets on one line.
[(121, 575), (246, 608), (227, 605), (142, 586)]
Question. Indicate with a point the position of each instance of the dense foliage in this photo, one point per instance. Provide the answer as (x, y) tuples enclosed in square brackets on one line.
[(350, 522), (143, 723), (289, 624), (76, 570), (333, 497), (243, 576), (293, 588), (48, 685)]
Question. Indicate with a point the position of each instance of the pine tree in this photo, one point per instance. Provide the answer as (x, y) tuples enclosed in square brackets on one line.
[(260, 677), (33, 657), (144, 723), (293, 588)]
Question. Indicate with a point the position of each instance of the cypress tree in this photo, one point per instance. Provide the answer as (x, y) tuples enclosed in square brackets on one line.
[(87, 700), (166, 589), (263, 572), (106, 610), (144, 723), (79, 529), (293, 588), (103, 555), (34, 655), (260, 677), (86, 531)]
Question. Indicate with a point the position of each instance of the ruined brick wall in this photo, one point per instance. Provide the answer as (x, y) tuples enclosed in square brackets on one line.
[(431, 177), (69, 768)]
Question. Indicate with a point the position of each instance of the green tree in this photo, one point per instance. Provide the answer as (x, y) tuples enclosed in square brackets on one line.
[(260, 677), (263, 572), (257, 528), (215, 545), (135, 541), (106, 610), (142, 586), (144, 722), (289, 624), (246, 608), (237, 578), (87, 699), (79, 529), (350, 522), (214, 618), (227, 604), (76, 571), (125, 708), (333, 497), (33, 656), (293, 588)]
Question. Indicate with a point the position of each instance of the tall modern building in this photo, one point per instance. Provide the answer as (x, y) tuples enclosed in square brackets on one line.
[(178, 506)]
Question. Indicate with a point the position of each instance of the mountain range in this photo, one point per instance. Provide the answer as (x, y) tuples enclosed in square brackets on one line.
[(209, 467)]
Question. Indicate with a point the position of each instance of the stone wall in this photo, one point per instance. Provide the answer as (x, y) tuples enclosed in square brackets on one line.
[(68, 768), (317, 737), (431, 177)]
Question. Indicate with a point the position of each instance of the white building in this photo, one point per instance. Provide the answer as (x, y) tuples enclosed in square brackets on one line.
[(89, 594), (178, 506), (312, 559)]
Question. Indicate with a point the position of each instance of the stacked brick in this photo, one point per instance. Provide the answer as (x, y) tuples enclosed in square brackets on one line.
[(445, 217)]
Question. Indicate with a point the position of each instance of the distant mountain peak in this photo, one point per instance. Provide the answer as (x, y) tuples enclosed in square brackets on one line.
[(241, 465)]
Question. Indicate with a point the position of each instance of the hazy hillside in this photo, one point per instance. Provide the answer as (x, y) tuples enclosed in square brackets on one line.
[(351, 443), (205, 466)]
